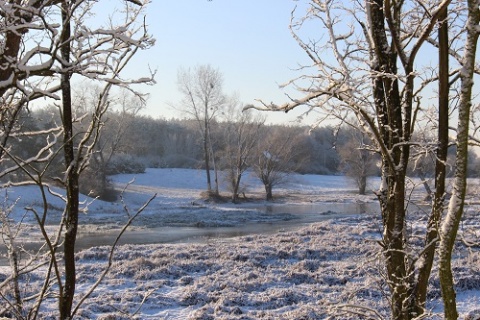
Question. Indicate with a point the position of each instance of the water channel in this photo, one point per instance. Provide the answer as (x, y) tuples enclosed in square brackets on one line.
[(302, 215)]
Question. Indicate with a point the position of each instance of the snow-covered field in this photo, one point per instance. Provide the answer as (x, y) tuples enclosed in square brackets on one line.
[(330, 269)]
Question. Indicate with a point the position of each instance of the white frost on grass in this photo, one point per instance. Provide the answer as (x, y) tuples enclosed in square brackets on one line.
[(309, 273)]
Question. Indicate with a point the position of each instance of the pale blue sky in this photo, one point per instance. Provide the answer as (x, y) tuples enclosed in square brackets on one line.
[(247, 40)]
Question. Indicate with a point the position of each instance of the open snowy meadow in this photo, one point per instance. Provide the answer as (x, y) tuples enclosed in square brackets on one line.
[(312, 253)]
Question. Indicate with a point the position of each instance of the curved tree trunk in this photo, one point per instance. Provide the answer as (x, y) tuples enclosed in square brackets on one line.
[(431, 237), (448, 232)]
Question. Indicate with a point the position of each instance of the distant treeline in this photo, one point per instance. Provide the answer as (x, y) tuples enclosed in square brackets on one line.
[(131, 142)]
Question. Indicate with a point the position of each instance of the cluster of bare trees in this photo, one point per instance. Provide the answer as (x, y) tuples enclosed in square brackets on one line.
[(131, 142), (46, 48), (232, 140), (378, 72)]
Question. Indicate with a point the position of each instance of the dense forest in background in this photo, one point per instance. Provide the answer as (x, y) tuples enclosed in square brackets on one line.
[(131, 142)]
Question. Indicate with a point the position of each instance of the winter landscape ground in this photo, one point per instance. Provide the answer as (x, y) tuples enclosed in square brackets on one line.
[(300, 257)]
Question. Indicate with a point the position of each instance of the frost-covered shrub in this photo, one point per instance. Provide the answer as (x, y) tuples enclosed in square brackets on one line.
[(86, 314), (251, 275), (282, 254), (90, 272), (94, 183), (104, 308), (315, 254), (144, 263), (119, 269), (278, 298), (125, 163), (334, 281), (182, 255), (178, 161)]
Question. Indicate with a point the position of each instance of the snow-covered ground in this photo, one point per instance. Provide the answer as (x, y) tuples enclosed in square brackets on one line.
[(329, 269)]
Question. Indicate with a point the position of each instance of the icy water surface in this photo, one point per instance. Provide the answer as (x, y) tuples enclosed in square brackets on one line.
[(285, 217), (299, 216)]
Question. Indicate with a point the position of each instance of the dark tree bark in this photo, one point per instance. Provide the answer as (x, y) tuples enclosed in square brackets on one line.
[(394, 163), (362, 185), (268, 192), (11, 48), (16, 25), (71, 183), (431, 236)]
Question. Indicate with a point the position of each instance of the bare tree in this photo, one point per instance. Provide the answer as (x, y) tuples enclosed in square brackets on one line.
[(123, 107), (273, 158), (42, 57), (373, 72), (77, 157), (240, 137), (201, 88), (357, 159)]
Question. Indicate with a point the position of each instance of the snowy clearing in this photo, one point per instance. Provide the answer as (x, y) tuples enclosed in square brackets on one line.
[(330, 269)]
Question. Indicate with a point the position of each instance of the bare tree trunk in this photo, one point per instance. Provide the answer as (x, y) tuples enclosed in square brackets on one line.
[(214, 164), (268, 192), (72, 188), (393, 214), (202, 90), (55, 39), (215, 172), (431, 237), (362, 185), (236, 185), (207, 157), (13, 40), (392, 192), (448, 232)]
